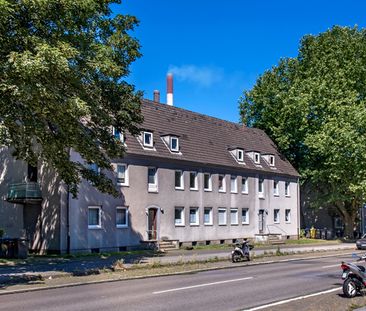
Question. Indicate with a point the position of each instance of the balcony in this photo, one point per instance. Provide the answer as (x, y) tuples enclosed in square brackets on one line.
[(27, 192)]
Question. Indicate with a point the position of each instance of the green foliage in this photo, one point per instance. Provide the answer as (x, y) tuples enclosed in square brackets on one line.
[(2, 232), (62, 65), (313, 107)]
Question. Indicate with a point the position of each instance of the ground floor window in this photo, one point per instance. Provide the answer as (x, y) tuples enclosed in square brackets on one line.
[(222, 216), (179, 216), (234, 216), (193, 216), (288, 215), (245, 216), (122, 217), (94, 217), (208, 216)]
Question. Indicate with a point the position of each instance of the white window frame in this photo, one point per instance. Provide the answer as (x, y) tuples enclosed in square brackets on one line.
[(181, 187), (246, 188), (210, 222), (235, 180), (257, 157), (236, 215), (246, 222), (118, 135), (151, 144), (126, 183), (240, 155), (182, 218), (276, 216), (171, 138), (127, 216), (195, 180), (99, 225), (287, 189), (271, 160), (152, 187), (223, 189), (209, 182), (287, 216), (276, 190), (222, 209), (261, 183), (197, 213)]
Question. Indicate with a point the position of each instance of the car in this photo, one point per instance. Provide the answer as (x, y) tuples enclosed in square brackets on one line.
[(361, 243)]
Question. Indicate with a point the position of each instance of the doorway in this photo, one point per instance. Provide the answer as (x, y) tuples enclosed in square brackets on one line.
[(152, 223)]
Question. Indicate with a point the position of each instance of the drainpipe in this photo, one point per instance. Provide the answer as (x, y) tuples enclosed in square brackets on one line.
[(298, 208)]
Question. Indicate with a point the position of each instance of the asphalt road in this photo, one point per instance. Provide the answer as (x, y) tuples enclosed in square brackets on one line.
[(229, 289)]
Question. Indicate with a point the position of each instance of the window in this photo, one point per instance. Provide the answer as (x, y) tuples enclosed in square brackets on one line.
[(94, 167), (275, 188), (257, 158), (179, 216), (207, 217), (32, 173), (234, 216), (288, 215), (174, 144), (118, 135), (240, 155), (245, 216), (207, 182), (94, 217), (193, 216), (148, 139), (287, 188), (152, 179), (244, 185), (179, 180), (233, 184), (276, 216), (222, 183), (122, 175), (260, 187), (222, 216), (271, 160), (193, 181), (122, 217)]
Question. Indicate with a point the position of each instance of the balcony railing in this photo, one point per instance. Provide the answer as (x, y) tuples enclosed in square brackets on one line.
[(27, 192)]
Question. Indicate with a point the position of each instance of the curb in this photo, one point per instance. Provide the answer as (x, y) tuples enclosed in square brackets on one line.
[(25, 290)]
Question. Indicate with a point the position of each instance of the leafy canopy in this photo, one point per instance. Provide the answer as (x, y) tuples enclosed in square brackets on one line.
[(62, 64), (314, 107)]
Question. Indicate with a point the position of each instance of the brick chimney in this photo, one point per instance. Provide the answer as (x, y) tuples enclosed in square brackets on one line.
[(156, 96), (169, 92)]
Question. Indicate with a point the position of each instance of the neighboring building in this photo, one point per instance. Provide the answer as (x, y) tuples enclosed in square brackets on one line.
[(188, 177)]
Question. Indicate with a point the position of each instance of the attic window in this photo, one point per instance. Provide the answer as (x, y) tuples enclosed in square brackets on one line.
[(256, 158), (174, 144), (240, 155), (148, 139), (118, 135), (271, 160)]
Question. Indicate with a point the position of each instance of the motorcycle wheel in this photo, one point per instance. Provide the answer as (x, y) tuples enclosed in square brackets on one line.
[(349, 288), (235, 257), (248, 258)]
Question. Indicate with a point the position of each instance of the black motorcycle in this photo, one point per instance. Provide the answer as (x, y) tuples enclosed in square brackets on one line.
[(241, 252), (354, 277)]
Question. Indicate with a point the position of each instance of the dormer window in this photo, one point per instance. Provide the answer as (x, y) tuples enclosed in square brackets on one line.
[(257, 158), (174, 144), (118, 135), (148, 139), (271, 160), (240, 155)]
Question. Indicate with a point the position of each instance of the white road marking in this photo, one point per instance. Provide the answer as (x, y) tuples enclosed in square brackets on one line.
[(293, 299), (201, 285)]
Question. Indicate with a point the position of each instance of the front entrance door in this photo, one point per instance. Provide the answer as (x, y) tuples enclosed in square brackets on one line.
[(261, 220), (152, 229)]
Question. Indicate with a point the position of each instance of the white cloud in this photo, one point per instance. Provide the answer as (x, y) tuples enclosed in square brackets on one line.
[(204, 76)]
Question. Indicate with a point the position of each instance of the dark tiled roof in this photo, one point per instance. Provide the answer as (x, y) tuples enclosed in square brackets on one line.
[(205, 140)]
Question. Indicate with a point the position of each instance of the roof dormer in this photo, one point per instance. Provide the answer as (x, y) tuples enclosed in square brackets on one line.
[(255, 156), (237, 153), (270, 159), (172, 142)]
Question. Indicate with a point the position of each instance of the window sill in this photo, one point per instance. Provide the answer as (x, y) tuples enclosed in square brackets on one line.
[(222, 224), (179, 188), (245, 192), (276, 222), (210, 224), (245, 223), (179, 225), (235, 224), (94, 227), (287, 222), (234, 192), (194, 225), (261, 196), (122, 185), (276, 195), (222, 191), (122, 226), (193, 189), (207, 190), (287, 196)]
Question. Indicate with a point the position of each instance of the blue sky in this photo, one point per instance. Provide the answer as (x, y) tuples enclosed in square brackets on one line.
[(216, 49)]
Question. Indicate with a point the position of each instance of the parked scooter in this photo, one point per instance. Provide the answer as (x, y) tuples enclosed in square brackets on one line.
[(241, 251), (354, 277)]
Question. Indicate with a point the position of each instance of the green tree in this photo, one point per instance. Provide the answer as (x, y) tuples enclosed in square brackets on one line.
[(62, 65), (313, 107)]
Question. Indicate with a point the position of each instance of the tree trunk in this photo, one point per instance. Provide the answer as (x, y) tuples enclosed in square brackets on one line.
[(349, 213)]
